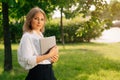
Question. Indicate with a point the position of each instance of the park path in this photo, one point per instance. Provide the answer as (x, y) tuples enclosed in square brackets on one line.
[(111, 35)]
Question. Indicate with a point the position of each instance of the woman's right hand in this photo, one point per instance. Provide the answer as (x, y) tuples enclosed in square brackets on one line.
[(53, 51)]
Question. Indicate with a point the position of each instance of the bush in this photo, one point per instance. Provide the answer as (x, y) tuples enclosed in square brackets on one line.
[(75, 30), (70, 27), (52, 29), (90, 29)]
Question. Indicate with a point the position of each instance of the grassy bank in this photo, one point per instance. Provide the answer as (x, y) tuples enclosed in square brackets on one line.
[(81, 61)]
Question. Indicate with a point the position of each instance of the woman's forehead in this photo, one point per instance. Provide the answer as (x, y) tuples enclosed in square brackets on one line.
[(39, 14)]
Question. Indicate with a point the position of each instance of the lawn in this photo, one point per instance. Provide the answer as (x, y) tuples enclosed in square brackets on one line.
[(78, 61)]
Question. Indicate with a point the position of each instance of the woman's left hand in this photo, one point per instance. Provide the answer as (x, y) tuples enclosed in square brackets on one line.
[(54, 58)]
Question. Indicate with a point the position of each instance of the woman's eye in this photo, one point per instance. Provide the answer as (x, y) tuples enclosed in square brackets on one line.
[(36, 18), (39, 19), (42, 19)]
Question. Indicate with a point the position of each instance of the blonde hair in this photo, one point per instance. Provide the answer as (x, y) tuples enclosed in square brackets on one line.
[(27, 25)]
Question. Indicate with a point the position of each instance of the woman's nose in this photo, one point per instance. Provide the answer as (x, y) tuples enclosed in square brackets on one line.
[(39, 21)]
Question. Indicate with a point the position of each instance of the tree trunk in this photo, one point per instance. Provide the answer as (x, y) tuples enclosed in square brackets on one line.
[(62, 29), (13, 37), (7, 43)]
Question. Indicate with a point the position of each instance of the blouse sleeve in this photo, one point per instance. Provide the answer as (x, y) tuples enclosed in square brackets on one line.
[(26, 57)]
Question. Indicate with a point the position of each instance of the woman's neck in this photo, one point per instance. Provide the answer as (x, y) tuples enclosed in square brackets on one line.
[(37, 32)]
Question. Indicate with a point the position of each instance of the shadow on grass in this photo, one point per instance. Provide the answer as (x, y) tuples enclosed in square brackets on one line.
[(73, 64)]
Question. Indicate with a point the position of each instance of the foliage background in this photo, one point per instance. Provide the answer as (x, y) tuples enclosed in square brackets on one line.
[(76, 29)]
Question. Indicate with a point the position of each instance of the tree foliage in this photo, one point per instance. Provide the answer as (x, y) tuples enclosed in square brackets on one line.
[(114, 9), (72, 8), (95, 25)]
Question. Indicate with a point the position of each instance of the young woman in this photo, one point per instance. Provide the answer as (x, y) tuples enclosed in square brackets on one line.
[(39, 66)]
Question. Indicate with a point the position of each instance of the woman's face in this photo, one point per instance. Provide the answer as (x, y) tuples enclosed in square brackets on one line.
[(38, 21)]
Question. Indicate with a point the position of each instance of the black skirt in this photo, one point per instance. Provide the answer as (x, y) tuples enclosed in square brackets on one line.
[(41, 72)]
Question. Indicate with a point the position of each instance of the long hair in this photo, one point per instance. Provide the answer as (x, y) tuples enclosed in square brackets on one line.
[(27, 25)]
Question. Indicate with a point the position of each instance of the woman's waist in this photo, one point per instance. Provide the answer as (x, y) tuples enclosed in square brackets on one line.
[(45, 62)]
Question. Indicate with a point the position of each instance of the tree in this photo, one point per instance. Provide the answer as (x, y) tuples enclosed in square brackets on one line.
[(61, 24), (112, 12), (1, 29), (71, 8), (6, 4), (93, 27), (62, 6), (7, 43)]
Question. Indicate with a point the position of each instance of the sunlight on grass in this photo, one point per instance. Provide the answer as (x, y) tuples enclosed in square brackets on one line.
[(110, 51), (105, 75), (14, 46), (1, 70), (12, 73), (88, 61), (78, 61), (101, 75), (1, 46)]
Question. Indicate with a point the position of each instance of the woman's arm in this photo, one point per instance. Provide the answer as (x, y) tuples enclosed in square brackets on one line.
[(26, 57), (52, 53)]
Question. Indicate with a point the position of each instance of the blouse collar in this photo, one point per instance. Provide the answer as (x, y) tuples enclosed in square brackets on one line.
[(40, 34)]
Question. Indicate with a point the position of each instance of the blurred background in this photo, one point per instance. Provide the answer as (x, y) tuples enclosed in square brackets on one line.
[(83, 29), (72, 21)]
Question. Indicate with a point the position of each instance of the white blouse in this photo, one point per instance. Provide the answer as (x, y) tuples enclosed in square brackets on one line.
[(29, 49)]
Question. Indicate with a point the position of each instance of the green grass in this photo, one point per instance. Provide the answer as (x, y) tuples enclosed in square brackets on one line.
[(80, 61)]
